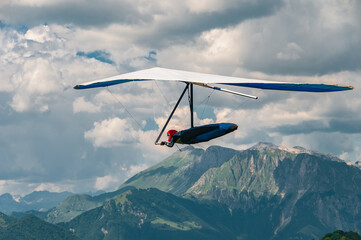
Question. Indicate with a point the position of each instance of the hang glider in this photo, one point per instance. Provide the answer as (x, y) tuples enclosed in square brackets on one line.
[(202, 79), (206, 132)]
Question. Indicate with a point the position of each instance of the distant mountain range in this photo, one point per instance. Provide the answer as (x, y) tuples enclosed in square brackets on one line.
[(264, 192), (37, 200)]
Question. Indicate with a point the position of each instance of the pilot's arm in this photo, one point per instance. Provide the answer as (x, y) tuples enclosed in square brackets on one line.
[(168, 144)]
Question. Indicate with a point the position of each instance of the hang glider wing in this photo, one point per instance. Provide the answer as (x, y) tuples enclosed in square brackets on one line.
[(202, 79)]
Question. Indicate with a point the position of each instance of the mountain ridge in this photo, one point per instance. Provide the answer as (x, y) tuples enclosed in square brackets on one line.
[(31, 227), (151, 214), (264, 192)]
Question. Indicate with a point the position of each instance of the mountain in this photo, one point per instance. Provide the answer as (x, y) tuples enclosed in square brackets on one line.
[(264, 192), (296, 193), (75, 205), (179, 172), (153, 214), (31, 227), (8, 203), (5, 221), (37, 200), (44, 200), (203, 173)]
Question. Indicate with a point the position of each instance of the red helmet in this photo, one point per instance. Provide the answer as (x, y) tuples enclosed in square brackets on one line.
[(170, 134)]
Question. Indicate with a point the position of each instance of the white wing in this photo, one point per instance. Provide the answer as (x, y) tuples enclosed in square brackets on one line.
[(163, 74)]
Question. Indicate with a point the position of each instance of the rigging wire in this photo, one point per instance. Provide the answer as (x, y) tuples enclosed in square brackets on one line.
[(139, 125), (238, 107), (242, 103), (162, 94), (206, 104), (155, 125), (178, 147)]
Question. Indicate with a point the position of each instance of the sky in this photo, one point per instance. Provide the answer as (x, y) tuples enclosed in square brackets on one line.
[(55, 138)]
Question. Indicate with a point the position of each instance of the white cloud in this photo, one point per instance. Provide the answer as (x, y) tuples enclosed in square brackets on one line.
[(337, 14), (201, 6), (112, 181), (81, 105), (134, 169), (23, 187), (111, 132), (8, 186), (39, 34), (344, 156), (37, 80), (103, 183), (291, 52), (116, 132), (36, 72), (51, 187), (32, 3)]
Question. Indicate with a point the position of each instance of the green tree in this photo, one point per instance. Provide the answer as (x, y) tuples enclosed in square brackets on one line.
[(341, 235)]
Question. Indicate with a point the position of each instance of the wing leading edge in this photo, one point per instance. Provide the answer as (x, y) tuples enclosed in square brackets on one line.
[(163, 74)]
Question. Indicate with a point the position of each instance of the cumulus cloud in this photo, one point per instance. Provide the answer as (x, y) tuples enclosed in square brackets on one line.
[(83, 13), (299, 39), (156, 23), (314, 38), (209, 6), (291, 52), (110, 182), (81, 105), (33, 85), (39, 34), (349, 126), (102, 183), (111, 132), (39, 67)]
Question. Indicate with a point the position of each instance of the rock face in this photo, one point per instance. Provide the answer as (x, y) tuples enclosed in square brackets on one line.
[(177, 173), (300, 193)]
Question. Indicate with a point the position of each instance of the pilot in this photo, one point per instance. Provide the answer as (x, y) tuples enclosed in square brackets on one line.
[(173, 136)]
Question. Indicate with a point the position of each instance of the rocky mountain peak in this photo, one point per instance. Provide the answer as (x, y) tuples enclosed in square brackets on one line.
[(265, 146)]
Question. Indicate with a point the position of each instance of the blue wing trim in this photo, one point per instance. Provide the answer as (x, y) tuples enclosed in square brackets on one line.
[(294, 87)]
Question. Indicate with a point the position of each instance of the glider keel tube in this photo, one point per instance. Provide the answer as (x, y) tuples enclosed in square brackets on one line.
[(226, 90)]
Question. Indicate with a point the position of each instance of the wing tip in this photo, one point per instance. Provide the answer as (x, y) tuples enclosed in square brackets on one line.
[(345, 87), (77, 87)]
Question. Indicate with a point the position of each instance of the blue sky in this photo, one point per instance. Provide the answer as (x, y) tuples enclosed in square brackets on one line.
[(55, 138)]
